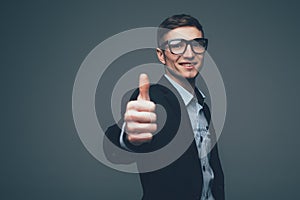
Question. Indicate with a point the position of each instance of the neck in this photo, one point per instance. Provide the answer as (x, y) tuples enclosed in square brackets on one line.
[(186, 83)]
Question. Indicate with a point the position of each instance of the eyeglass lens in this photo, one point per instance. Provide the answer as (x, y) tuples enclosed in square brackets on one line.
[(179, 46)]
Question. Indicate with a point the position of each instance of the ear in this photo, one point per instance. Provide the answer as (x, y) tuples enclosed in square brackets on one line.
[(160, 55)]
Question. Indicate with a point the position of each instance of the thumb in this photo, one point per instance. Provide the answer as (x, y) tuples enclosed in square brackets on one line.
[(144, 87)]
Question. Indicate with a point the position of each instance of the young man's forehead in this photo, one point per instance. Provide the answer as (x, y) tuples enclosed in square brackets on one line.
[(185, 32)]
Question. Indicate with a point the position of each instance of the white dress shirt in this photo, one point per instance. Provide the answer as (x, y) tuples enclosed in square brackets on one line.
[(201, 134)]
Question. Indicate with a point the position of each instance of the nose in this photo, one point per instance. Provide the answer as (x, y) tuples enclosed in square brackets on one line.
[(188, 52)]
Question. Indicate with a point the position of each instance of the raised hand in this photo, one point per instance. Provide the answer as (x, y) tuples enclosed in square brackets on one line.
[(140, 115)]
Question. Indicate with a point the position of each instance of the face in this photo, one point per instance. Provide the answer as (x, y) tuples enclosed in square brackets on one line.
[(186, 65)]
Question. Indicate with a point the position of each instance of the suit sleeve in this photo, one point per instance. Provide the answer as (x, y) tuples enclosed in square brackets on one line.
[(113, 149)]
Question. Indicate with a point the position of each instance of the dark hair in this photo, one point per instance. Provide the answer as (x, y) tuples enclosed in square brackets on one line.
[(176, 21)]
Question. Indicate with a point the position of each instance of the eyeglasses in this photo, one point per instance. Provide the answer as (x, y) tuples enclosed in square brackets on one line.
[(178, 46)]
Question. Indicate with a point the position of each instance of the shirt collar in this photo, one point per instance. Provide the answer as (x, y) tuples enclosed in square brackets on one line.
[(185, 95)]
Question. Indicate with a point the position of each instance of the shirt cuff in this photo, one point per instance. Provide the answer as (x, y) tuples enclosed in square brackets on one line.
[(121, 140)]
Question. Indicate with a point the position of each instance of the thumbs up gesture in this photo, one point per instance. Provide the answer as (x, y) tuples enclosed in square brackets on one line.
[(140, 115)]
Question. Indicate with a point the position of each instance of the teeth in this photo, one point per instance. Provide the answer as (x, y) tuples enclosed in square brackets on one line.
[(187, 64)]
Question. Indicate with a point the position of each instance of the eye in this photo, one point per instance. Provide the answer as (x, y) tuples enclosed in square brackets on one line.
[(196, 44), (177, 44), (199, 43)]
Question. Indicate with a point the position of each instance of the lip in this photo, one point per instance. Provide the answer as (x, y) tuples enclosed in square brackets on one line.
[(188, 65)]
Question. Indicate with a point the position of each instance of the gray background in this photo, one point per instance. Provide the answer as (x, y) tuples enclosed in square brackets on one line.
[(254, 43)]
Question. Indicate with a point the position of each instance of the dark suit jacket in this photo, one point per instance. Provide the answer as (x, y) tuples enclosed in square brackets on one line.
[(182, 179)]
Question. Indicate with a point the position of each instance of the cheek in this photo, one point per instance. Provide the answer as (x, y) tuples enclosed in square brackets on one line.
[(177, 58), (200, 57), (172, 59)]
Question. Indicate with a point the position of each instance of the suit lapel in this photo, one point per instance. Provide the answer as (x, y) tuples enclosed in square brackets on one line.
[(169, 91), (185, 123)]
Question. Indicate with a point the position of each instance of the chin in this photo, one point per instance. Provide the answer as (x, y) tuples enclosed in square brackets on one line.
[(191, 75)]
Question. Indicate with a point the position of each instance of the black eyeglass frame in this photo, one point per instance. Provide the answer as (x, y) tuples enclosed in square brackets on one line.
[(188, 42)]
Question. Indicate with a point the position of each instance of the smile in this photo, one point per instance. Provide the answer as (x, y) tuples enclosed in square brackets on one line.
[(188, 65)]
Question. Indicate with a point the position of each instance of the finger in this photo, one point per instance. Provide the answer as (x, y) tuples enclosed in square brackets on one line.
[(144, 87), (142, 117), (138, 139), (141, 106), (136, 127)]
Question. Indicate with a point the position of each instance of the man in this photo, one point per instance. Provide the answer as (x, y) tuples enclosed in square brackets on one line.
[(197, 173)]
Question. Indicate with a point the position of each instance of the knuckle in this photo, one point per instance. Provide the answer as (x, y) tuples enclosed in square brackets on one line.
[(154, 127), (129, 115), (150, 136), (152, 106), (131, 105), (130, 127), (126, 116), (154, 117), (131, 137), (140, 138), (128, 105)]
